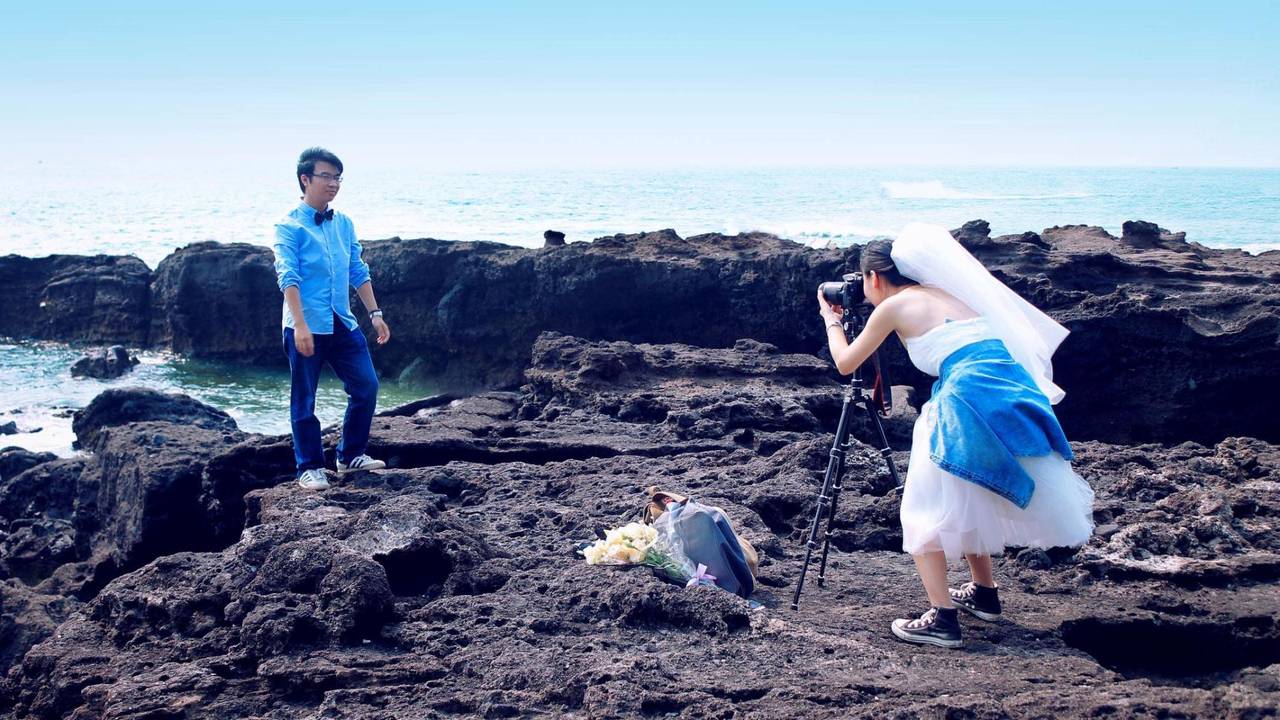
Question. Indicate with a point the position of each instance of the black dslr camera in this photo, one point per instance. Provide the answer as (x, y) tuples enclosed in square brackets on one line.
[(846, 294)]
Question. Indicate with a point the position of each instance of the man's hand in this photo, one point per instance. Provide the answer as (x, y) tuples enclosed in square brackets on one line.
[(384, 332), (304, 341)]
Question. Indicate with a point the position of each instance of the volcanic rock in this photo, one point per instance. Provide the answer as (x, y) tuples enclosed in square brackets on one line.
[(98, 299), (446, 584), (1159, 329), (217, 301), (28, 617), (1162, 328), (123, 406), (14, 460), (651, 287), (104, 364), (69, 526)]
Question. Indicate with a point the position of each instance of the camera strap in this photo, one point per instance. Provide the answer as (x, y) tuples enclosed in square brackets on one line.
[(881, 390)]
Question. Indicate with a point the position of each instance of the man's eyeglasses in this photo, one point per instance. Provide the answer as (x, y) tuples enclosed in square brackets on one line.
[(326, 177)]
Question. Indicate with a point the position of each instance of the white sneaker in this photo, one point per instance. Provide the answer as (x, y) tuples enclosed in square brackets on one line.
[(313, 480), (360, 463)]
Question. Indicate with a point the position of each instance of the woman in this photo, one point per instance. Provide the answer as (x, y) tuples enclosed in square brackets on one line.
[(989, 464)]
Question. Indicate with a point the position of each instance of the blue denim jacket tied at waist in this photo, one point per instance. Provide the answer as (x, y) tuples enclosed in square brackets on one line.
[(989, 413)]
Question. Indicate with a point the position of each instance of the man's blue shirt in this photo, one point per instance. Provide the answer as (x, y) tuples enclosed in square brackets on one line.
[(323, 262)]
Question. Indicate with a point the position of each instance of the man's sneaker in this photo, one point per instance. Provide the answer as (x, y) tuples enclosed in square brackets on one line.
[(938, 626), (979, 601), (360, 463), (313, 480)]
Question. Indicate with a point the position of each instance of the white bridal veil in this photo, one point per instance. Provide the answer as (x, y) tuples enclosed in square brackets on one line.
[(930, 256)]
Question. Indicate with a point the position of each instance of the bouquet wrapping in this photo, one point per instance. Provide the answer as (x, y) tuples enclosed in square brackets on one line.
[(654, 546)]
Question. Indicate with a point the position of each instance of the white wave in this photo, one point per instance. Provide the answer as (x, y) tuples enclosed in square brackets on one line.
[(822, 234), (1257, 248), (936, 190)]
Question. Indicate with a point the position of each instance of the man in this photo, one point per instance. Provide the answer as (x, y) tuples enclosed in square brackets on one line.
[(317, 258)]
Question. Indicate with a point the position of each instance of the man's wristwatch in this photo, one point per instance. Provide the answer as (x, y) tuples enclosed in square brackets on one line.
[(375, 313)]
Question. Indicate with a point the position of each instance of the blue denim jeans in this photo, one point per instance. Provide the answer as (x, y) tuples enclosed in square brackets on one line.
[(348, 354)]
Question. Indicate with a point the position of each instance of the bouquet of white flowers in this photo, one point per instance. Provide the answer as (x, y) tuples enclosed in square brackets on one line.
[(639, 544)]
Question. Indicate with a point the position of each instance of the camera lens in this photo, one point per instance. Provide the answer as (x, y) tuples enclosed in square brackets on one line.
[(833, 292)]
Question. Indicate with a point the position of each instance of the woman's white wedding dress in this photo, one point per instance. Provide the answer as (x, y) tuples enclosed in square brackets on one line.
[(941, 511)]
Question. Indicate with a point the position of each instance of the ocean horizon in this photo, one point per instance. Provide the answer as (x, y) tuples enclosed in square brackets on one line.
[(151, 213)]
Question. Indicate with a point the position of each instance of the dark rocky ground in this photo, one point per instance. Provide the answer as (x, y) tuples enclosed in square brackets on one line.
[(176, 571), (173, 570)]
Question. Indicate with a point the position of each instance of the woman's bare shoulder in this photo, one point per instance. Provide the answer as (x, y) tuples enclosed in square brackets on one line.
[(904, 311), (919, 310), (943, 304)]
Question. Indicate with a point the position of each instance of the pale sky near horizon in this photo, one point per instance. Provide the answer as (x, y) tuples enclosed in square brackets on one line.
[(576, 84)]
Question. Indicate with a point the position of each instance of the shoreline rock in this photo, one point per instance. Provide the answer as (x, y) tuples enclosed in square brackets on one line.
[(104, 364), (98, 299), (1162, 329), (191, 577)]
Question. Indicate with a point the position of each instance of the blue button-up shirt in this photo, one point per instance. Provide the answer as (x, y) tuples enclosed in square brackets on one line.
[(322, 261)]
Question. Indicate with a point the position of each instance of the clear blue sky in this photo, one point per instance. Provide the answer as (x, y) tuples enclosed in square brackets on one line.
[(582, 84)]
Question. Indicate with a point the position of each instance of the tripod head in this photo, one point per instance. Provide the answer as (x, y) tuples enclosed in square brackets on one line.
[(854, 318)]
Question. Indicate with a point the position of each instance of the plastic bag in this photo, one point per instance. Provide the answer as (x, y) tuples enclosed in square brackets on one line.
[(704, 536)]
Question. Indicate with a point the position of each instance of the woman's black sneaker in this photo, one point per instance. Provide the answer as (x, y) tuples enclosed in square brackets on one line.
[(938, 626), (978, 600)]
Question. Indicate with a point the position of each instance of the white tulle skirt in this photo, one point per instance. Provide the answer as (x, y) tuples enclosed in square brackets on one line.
[(943, 512)]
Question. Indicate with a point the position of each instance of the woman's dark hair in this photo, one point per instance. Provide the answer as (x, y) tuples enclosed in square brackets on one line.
[(308, 159), (876, 257)]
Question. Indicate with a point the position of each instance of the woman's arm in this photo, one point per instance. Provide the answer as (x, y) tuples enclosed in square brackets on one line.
[(849, 356)]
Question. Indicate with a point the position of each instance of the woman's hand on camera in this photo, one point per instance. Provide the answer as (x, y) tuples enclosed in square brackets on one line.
[(829, 312)]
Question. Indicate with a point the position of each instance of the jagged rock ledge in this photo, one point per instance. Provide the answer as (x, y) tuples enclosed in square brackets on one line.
[(188, 577), (1170, 340)]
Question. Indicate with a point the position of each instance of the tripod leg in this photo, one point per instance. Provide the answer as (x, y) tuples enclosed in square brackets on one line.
[(866, 404), (834, 465), (836, 486), (808, 550)]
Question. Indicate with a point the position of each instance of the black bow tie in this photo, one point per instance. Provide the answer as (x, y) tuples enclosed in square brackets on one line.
[(322, 216)]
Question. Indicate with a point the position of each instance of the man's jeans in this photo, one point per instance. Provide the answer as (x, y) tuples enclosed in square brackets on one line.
[(348, 354)]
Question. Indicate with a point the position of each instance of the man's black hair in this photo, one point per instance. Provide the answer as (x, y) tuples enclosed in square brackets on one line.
[(308, 159)]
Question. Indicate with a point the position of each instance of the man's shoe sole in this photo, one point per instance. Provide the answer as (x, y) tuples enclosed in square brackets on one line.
[(314, 487), (989, 617), (925, 639)]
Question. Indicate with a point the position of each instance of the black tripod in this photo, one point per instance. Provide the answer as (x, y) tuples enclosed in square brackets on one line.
[(854, 395)]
